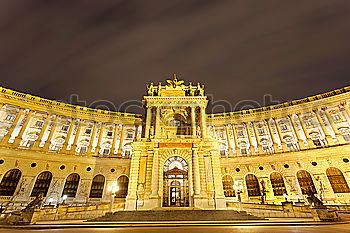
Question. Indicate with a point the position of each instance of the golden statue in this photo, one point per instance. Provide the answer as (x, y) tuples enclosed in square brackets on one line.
[(175, 83)]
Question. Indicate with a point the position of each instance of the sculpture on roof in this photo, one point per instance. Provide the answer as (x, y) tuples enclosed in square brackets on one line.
[(175, 83)]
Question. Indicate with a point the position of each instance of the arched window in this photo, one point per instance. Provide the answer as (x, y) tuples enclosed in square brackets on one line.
[(42, 184), (305, 182), (252, 185), (123, 182), (71, 185), (227, 182), (337, 180), (9, 182), (97, 186), (277, 184)]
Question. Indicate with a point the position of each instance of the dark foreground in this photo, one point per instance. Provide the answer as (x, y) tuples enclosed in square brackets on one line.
[(338, 228)]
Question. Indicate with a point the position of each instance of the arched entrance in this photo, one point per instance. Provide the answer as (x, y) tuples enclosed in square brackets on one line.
[(175, 191)]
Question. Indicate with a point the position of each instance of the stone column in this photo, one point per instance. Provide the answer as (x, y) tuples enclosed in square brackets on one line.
[(328, 131), (148, 121), (196, 175), (309, 140), (49, 139), (131, 199), (193, 121), (203, 122), (115, 136), (120, 148), (296, 122), (220, 201), (228, 138), (283, 143), (93, 135), (5, 139), (98, 146), (2, 111), (343, 109), (18, 139), (157, 130), (76, 138), (155, 174), (69, 135), (339, 137), (42, 131)]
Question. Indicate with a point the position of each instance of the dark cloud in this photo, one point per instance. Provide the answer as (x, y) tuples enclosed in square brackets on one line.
[(109, 50)]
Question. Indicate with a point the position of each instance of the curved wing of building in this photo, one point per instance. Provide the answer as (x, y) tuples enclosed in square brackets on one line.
[(176, 154)]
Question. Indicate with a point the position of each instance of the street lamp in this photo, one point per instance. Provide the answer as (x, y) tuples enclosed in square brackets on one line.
[(50, 201), (64, 198), (238, 189), (112, 189)]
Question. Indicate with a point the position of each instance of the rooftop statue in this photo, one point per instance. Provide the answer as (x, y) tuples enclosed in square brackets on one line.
[(175, 83)]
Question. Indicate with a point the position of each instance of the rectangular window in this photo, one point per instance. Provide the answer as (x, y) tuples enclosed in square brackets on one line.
[(240, 133), (317, 142), (130, 135), (109, 133), (223, 152), (127, 153), (88, 131), (105, 152), (39, 123), (65, 128), (260, 130), (244, 151), (308, 122), (336, 117), (284, 127), (83, 149), (220, 134), (10, 117), (30, 143), (346, 137)]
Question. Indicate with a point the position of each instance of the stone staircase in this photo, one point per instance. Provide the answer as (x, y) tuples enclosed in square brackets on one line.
[(176, 215)]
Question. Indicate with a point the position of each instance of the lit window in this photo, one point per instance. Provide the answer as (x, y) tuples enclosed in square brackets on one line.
[(88, 131), (336, 117), (284, 126), (10, 117), (83, 149), (174, 123), (65, 128), (30, 143), (346, 137), (39, 123), (223, 152), (308, 122), (244, 151), (317, 142), (127, 153), (105, 152)]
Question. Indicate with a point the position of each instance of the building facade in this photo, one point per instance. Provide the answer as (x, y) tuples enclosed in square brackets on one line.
[(176, 155)]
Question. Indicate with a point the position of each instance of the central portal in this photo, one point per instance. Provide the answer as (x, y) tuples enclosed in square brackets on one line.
[(175, 192)]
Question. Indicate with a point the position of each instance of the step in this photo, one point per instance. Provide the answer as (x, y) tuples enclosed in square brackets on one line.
[(177, 215)]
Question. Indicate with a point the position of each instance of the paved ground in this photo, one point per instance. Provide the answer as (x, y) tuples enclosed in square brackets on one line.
[(338, 228)]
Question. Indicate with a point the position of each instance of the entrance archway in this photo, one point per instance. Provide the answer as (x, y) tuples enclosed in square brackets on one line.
[(175, 179)]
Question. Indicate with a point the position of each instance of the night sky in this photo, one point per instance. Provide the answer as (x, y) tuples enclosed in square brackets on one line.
[(240, 50)]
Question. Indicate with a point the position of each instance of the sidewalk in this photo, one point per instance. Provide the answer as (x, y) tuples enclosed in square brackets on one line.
[(85, 224)]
